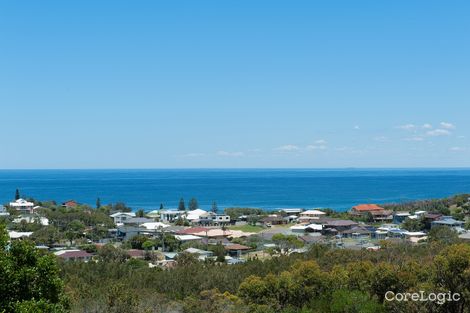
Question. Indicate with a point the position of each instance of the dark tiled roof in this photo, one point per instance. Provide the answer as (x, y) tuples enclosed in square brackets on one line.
[(236, 246), (74, 254)]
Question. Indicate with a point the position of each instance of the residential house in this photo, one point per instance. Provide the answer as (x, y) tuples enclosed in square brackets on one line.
[(430, 217), (202, 254), (153, 214), (312, 214), (306, 228), (448, 221), (171, 215), (19, 234), (273, 220), (128, 232), (338, 225), (415, 236), (70, 204), (74, 255), (121, 217), (3, 211), (233, 261), (307, 216), (154, 225), (136, 254), (358, 231), (292, 211), (187, 238), (31, 218), (382, 216), (310, 239), (196, 215), (377, 213), (400, 216), (23, 206), (362, 209), (236, 250), (138, 221), (192, 230), (214, 219)]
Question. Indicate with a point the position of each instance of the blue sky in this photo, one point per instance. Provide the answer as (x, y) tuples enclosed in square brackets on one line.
[(153, 84)]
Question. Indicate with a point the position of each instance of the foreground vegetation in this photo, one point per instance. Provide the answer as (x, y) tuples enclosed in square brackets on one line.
[(322, 280)]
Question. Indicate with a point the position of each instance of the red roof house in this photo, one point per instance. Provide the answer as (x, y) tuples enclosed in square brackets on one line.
[(364, 208), (70, 204)]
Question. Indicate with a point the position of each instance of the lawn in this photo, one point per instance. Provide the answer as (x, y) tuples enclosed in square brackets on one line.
[(247, 228)]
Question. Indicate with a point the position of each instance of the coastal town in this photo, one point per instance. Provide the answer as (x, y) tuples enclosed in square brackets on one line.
[(163, 237)]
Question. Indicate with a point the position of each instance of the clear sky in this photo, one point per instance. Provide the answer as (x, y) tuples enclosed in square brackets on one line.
[(165, 84)]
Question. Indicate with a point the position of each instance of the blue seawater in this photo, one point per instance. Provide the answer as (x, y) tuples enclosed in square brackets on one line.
[(264, 188)]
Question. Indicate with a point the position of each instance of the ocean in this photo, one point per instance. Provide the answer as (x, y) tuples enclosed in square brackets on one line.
[(263, 188)]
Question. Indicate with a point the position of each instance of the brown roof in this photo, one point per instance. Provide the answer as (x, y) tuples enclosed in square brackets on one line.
[(192, 230), (134, 253), (311, 239), (432, 215), (74, 254), (367, 207), (236, 246)]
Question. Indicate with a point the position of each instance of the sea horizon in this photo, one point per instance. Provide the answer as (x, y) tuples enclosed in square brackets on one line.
[(265, 188)]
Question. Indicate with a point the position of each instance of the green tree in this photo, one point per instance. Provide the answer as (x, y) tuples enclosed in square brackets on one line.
[(181, 205), (17, 194), (161, 206), (214, 207), (193, 205), (253, 219), (75, 230), (443, 234), (452, 274), (413, 224), (29, 279), (184, 259), (47, 235), (353, 301), (285, 243), (140, 213), (121, 207), (138, 241), (108, 253), (148, 245), (98, 203), (219, 252)]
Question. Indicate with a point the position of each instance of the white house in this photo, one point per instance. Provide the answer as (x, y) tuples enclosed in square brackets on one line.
[(202, 254), (154, 225), (3, 211), (312, 214), (120, 217), (170, 215), (18, 234), (153, 214), (195, 214), (292, 211), (74, 255), (44, 221), (23, 206), (309, 215), (187, 238)]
